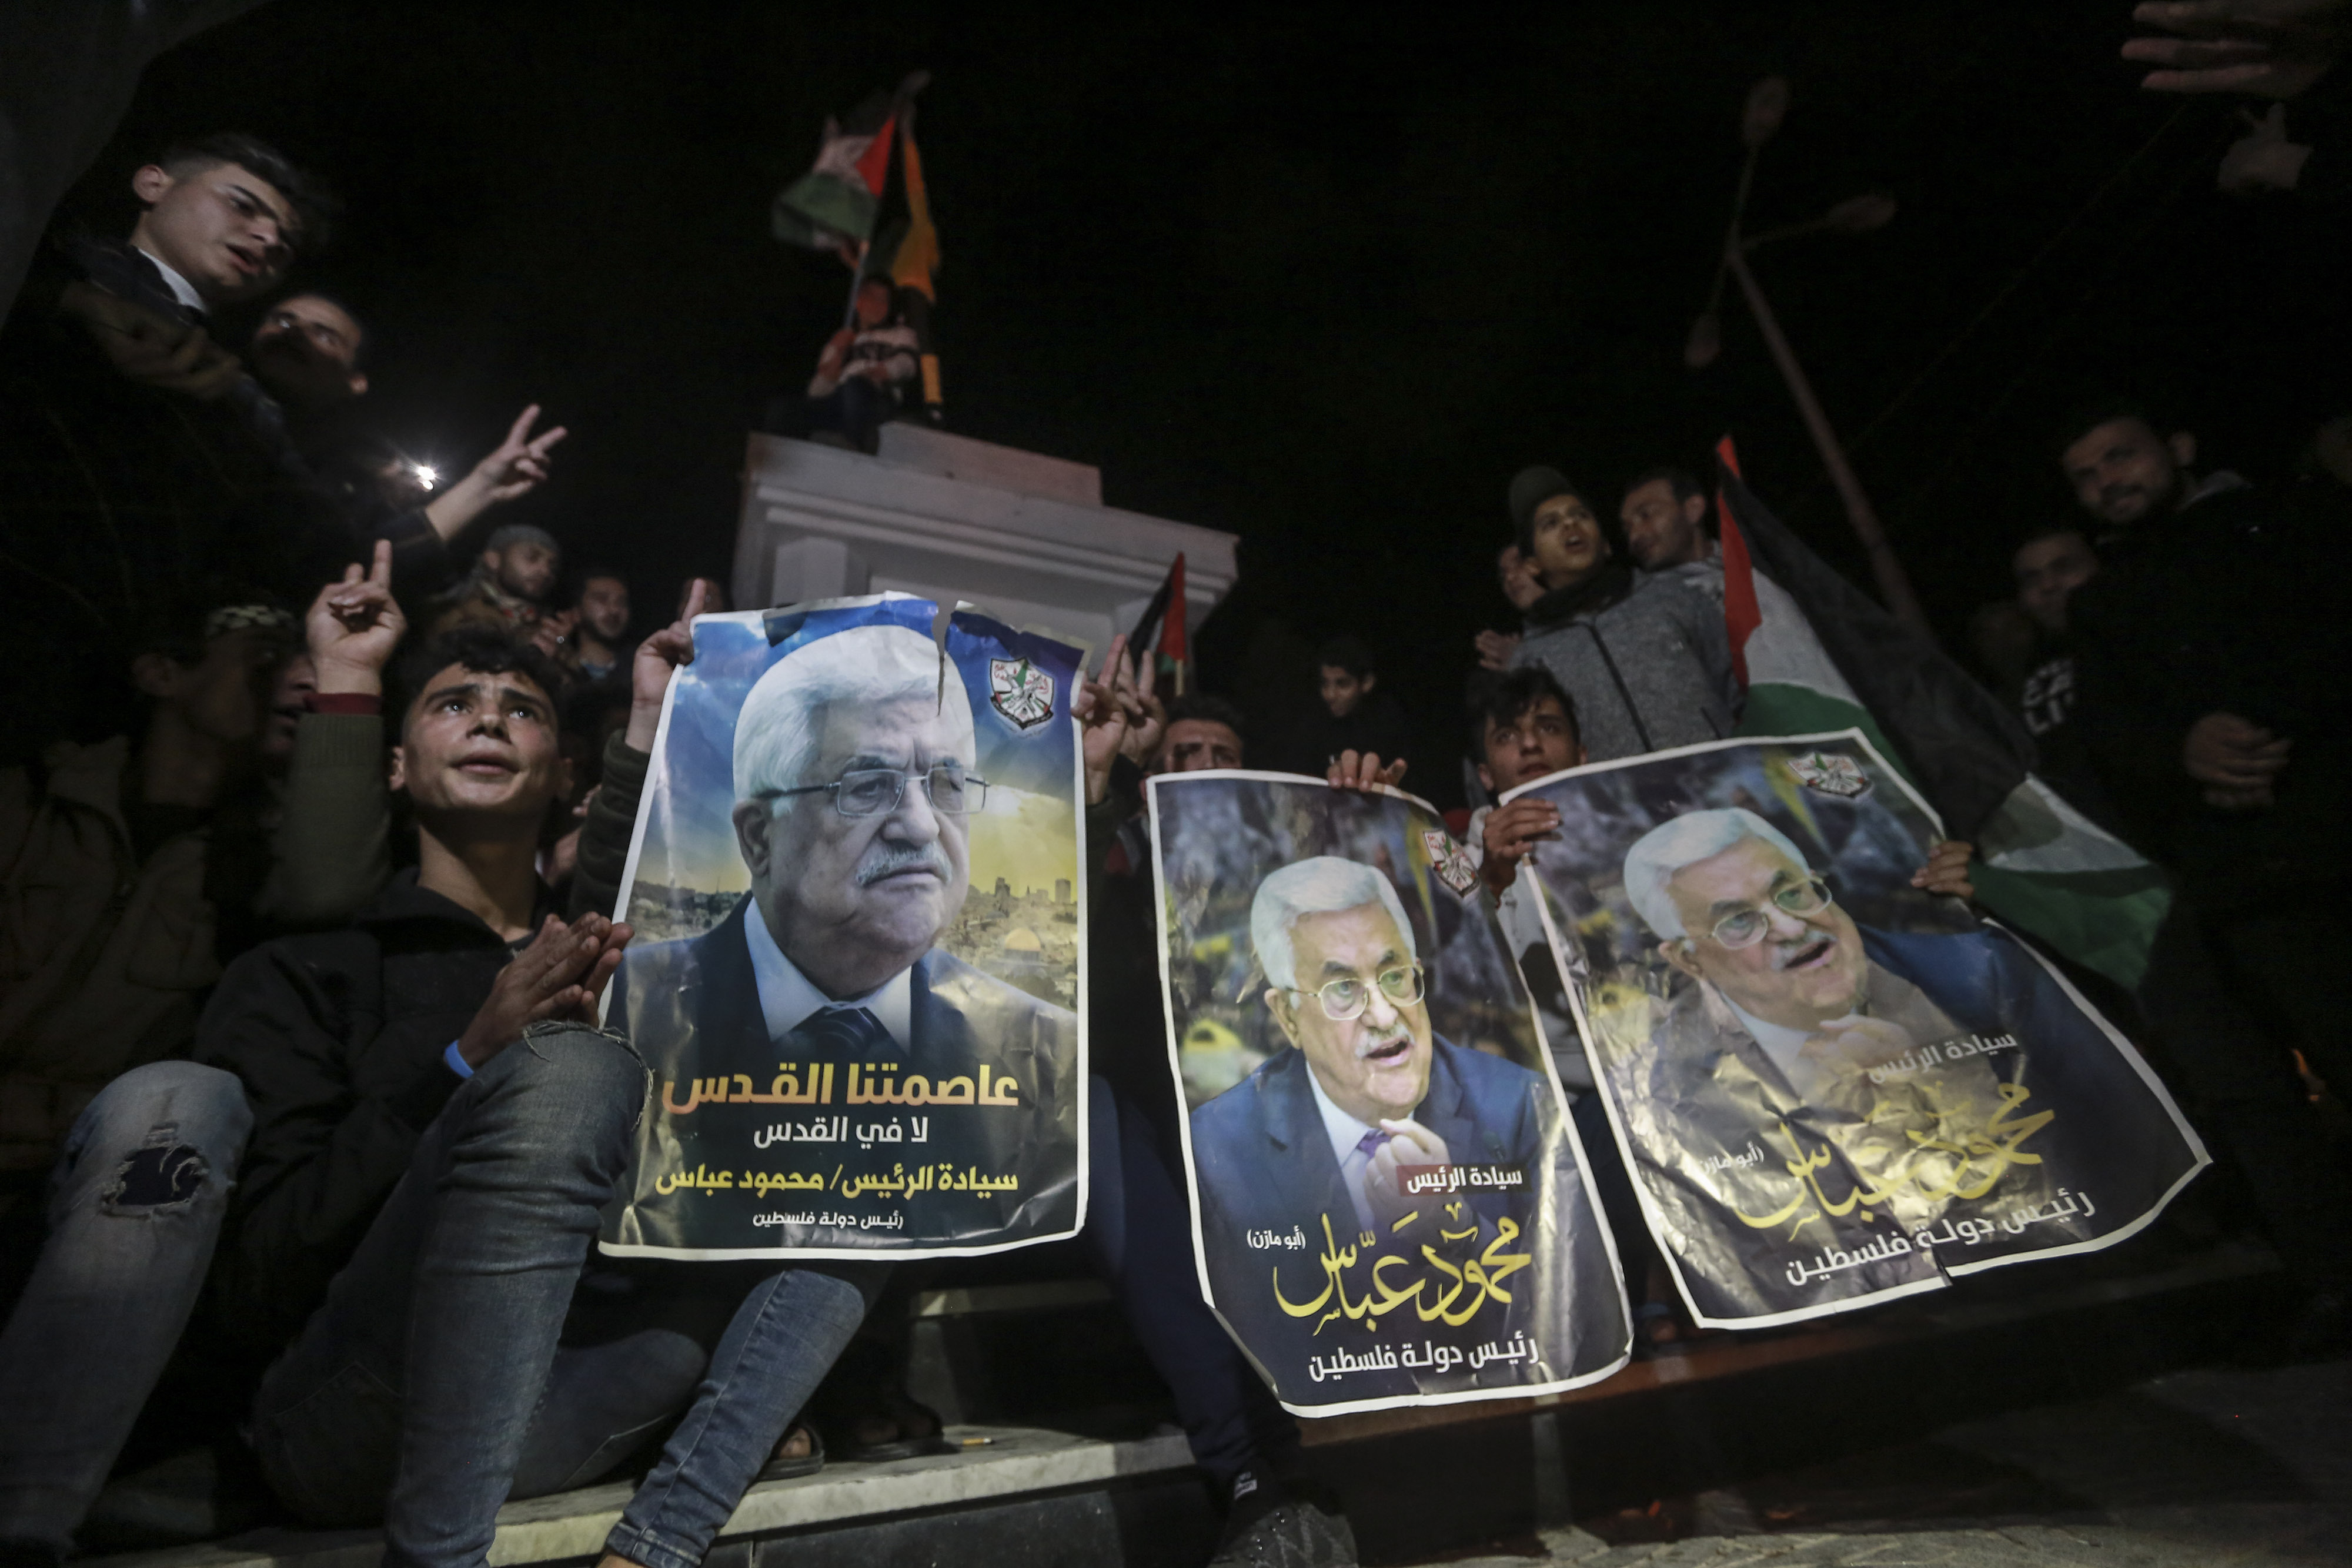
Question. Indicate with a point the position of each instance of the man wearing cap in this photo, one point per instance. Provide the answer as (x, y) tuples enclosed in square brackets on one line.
[(1642, 658)]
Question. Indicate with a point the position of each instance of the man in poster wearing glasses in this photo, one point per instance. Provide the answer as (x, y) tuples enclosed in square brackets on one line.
[(855, 779), (1822, 1078), (1337, 1130)]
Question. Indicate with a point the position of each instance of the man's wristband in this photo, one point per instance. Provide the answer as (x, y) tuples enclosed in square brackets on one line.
[(359, 704), (457, 1060)]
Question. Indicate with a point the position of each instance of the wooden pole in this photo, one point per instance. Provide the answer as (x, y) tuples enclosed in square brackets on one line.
[(1885, 569)]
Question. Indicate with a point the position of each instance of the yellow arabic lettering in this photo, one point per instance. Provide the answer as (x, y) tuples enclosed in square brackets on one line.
[(1330, 1278), (1997, 1144)]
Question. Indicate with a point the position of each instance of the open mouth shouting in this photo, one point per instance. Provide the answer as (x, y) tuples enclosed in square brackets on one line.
[(1390, 1050), (1813, 951)]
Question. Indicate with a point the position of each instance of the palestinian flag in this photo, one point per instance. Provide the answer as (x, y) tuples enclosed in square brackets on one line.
[(1814, 653), (1163, 618), (834, 202)]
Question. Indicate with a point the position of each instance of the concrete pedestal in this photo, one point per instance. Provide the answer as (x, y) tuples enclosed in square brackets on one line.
[(1024, 536)]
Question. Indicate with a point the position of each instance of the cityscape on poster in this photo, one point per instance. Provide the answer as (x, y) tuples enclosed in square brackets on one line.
[(1390, 1206), (1832, 1087), (858, 981)]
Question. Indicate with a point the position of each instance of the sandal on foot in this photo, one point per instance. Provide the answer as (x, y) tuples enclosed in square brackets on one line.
[(782, 1468)]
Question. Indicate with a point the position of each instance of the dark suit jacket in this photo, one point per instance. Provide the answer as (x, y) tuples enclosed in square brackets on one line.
[(1703, 1091), (692, 1009), (1262, 1162)]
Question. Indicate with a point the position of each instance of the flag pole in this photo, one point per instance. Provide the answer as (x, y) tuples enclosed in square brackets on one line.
[(1885, 568), (856, 282)]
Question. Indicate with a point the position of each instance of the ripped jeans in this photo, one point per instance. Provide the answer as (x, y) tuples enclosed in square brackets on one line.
[(458, 1360), (134, 1207)]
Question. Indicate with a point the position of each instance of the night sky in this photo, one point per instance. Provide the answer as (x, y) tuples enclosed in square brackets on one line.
[(1324, 276)]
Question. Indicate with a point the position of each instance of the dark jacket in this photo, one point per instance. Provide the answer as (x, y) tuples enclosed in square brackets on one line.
[(107, 944), (1379, 725), (1644, 660), (1263, 1164), (1127, 1032), (112, 496), (693, 1005), (337, 1038), (605, 835), (308, 526), (2223, 607)]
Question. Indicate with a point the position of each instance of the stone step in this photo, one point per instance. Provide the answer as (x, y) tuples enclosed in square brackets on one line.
[(1417, 1483), (1013, 1494)]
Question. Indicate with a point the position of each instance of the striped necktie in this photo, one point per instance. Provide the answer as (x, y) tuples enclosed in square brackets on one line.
[(843, 1034)]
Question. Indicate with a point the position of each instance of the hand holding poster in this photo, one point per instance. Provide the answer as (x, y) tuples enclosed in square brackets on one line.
[(1391, 1206), (1832, 1088), (862, 1038)]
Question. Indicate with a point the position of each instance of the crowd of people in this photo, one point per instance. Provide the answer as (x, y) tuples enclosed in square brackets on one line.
[(321, 781)]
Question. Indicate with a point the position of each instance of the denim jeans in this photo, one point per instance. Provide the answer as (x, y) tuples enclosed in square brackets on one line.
[(134, 1207), (434, 1383), (1140, 1230)]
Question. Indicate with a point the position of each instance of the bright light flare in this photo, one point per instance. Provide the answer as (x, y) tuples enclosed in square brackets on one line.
[(425, 474)]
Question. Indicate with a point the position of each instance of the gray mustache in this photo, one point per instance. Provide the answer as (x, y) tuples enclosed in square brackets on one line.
[(1785, 953), (887, 860)]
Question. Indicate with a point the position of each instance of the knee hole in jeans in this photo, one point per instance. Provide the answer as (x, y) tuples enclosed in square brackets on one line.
[(163, 1176)]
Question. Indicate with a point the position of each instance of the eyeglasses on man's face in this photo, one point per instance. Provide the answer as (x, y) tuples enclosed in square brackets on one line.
[(876, 791), (1747, 928), (1345, 999)]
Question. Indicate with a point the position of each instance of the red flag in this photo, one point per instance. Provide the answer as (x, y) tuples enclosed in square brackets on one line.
[(1741, 614), (872, 164)]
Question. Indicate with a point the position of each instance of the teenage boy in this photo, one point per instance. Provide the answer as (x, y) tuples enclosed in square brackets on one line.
[(437, 1124)]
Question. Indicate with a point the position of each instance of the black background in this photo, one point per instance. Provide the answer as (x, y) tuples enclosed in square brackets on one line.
[(1321, 276)]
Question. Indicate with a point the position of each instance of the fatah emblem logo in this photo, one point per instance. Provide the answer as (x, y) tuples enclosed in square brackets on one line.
[(1450, 861), (1020, 691), (1831, 775)]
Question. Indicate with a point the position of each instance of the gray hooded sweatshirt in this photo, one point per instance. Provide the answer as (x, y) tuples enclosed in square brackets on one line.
[(1647, 668)]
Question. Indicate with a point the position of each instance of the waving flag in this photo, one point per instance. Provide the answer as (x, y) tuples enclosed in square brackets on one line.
[(833, 204), (1816, 654), (1163, 618), (918, 254)]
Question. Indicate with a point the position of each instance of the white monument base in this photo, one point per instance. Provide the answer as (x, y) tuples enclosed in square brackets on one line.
[(1024, 536)]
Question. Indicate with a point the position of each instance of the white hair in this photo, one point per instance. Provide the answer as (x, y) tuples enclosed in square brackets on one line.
[(1684, 841), (1323, 885), (782, 724)]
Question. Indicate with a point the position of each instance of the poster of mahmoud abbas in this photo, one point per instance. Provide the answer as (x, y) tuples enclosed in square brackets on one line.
[(1832, 1088), (1388, 1204), (858, 974)]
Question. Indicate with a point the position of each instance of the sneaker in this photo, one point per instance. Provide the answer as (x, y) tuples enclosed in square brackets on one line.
[(1285, 1531)]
